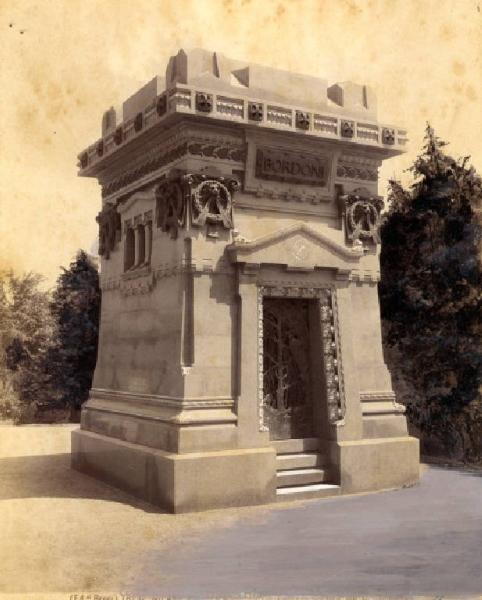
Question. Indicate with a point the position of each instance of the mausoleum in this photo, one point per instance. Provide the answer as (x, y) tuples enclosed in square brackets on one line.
[(240, 358)]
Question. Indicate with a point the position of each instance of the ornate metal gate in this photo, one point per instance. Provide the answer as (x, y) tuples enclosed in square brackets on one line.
[(287, 402)]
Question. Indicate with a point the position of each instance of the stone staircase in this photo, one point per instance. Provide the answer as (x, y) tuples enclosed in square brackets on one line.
[(301, 470)]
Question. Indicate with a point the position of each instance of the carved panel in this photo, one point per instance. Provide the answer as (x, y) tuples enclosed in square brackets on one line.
[(109, 229), (291, 167)]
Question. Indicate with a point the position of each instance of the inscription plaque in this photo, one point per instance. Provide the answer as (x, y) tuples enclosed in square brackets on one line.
[(291, 167)]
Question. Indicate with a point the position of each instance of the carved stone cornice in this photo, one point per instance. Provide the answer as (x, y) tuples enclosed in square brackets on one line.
[(380, 403), (214, 147)]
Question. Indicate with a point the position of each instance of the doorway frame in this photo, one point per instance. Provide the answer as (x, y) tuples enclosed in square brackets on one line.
[(331, 354)]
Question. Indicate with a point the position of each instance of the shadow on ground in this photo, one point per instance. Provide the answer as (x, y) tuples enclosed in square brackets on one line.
[(50, 476)]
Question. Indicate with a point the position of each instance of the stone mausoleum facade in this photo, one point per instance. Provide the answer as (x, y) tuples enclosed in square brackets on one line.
[(240, 357)]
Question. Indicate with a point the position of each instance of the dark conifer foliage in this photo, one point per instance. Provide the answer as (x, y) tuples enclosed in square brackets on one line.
[(75, 309), (430, 295)]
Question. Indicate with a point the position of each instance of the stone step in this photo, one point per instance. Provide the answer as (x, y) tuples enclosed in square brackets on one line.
[(305, 492), (302, 460), (296, 445), (300, 477)]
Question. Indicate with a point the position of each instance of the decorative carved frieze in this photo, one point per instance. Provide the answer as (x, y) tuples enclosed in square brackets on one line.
[(347, 171), (331, 345), (137, 282), (279, 115), (109, 229), (158, 158), (362, 216), (352, 166), (170, 206)]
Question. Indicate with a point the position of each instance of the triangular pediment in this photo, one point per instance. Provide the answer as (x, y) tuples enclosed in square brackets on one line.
[(297, 246)]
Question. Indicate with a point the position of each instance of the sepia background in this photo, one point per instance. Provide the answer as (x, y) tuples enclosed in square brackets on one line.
[(64, 62)]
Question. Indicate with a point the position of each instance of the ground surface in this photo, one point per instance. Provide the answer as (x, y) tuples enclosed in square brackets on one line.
[(64, 532)]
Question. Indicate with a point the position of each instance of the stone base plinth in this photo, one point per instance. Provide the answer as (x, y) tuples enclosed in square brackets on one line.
[(178, 482), (376, 464)]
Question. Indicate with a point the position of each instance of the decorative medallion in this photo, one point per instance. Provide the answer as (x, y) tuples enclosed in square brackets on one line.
[(255, 111), (109, 229), (211, 200), (347, 129), (302, 120), (204, 102), (362, 215), (388, 136), (170, 207)]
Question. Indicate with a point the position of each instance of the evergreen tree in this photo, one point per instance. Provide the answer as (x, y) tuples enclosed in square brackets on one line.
[(75, 308), (430, 295)]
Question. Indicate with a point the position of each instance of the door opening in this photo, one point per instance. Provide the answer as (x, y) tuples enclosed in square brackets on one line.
[(287, 389)]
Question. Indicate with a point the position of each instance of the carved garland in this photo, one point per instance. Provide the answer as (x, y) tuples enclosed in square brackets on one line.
[(332, 364)]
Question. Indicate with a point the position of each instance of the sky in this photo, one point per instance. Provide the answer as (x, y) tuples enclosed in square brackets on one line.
[(64, 62)]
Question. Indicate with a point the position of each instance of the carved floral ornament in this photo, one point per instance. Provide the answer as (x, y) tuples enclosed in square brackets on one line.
[(362, 216)]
